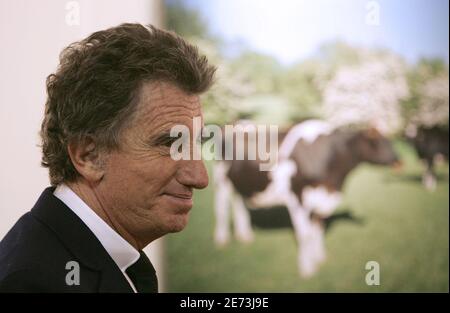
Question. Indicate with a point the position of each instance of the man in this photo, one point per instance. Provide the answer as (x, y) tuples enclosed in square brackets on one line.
[(106, 142)]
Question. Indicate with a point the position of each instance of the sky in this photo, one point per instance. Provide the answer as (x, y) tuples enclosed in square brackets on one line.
[(292, 30)]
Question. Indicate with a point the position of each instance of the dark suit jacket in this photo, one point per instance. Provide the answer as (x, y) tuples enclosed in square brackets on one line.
[(35, 252)]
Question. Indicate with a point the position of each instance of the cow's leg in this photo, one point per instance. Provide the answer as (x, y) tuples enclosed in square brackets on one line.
[(318, 235), (322, 203), (241, 218), (304, 234), (429, 177), (306, 258), (223, 194)]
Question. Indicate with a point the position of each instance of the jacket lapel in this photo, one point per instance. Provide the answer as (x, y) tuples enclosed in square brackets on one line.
[(80, 241)]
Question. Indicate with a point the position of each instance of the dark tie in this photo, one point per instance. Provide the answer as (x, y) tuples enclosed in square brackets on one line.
[(143, 275)]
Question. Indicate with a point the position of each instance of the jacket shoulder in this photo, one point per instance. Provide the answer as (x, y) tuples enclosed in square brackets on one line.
[(33, 259), (28, 242)]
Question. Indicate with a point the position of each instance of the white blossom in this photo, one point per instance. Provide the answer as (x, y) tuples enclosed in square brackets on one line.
[(367, 93), (433, 104)]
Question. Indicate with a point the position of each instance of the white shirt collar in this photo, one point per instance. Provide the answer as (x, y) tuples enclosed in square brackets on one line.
[(121, 251)]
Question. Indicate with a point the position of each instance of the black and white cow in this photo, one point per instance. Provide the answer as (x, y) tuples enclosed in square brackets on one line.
[(313, 161), (430, 143)]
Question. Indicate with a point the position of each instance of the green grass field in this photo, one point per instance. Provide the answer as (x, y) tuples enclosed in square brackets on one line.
[(404, 227)]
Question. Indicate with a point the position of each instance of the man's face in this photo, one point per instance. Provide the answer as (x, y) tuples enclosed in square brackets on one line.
[(144, 190)]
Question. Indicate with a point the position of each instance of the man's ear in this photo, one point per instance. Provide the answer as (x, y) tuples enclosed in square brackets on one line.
[(87, 159)]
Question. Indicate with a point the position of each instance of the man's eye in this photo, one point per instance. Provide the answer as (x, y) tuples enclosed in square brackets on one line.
[(165, 141), (169, 141)]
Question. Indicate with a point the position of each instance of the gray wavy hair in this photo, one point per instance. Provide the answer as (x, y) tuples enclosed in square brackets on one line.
[(95, 89)]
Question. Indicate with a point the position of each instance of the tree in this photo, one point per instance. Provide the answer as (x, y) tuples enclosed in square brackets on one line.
[(185, 21), (368, 92), (429, 102)]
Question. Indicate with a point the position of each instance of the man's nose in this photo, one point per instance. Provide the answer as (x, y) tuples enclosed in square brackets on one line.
[(194, 174)]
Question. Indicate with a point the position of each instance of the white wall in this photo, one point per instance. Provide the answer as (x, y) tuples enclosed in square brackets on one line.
[(32, 34)]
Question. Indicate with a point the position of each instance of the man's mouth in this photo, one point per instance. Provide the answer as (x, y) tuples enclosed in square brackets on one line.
[(180, 195), (182, 201)]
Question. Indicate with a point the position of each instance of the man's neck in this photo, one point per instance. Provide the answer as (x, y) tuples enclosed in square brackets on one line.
[(89, 195)]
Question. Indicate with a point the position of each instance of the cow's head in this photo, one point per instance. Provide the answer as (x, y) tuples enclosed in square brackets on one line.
[(374, 148)]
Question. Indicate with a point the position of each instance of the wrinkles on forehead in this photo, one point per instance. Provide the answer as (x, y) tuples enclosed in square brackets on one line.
[(163, 105)]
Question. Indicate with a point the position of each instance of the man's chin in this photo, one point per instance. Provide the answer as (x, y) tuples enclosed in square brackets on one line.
[(179, 223)]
